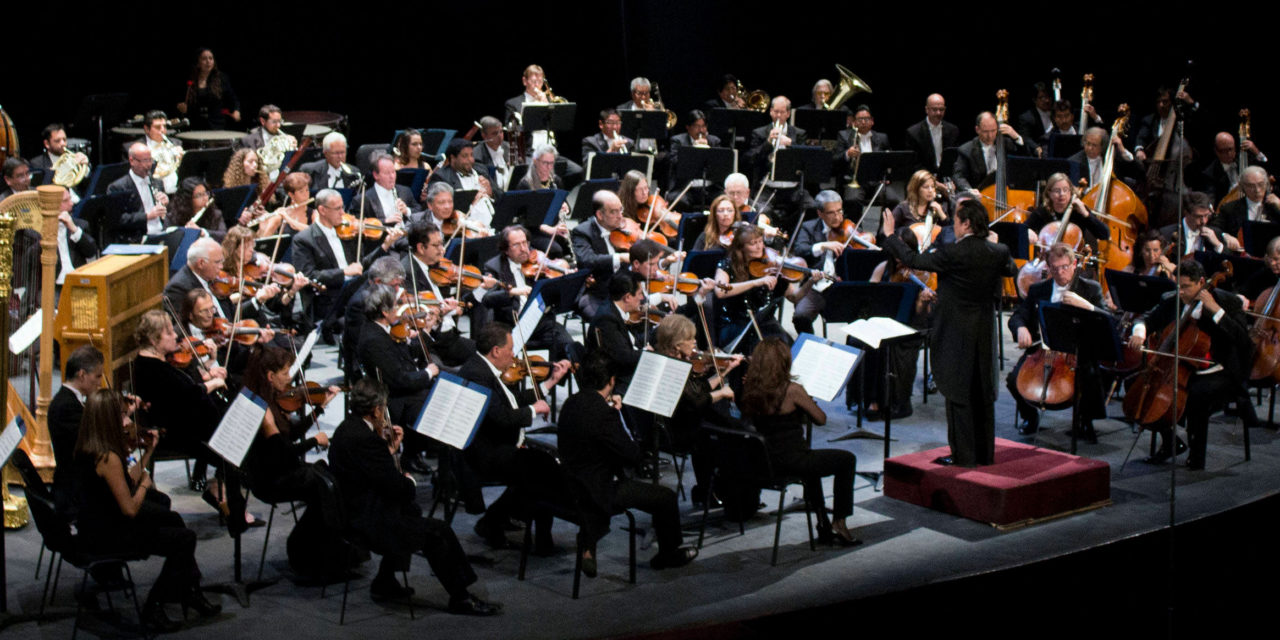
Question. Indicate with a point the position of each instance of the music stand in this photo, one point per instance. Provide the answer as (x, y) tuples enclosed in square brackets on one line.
[(734, 126), (408, 178), (711, 165), (948, 166), (639, 123), (616, 165), (548, 117), (1027, 173), (232, 200), (103, 175), (267, 245), (479, 250), (523, 206), (102, 212), (1257, 235), (559, 294), (1066, 329), (462, 200), (1135, 293), (691, 224), (582, 206), (703, 263), (858, 265), (850, 301), (877, 166), (96, 108), (209, 164), (810, 165), (1063, 145), (821, 124)]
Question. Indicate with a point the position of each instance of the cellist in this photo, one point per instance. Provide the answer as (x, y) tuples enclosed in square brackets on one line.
[(1063, 286), (1219, 314)]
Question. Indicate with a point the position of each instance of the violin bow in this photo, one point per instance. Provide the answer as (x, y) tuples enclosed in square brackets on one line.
[(524, 355), (711, 347), (239, 310)]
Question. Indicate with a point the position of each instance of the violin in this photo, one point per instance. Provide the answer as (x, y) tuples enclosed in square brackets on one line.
[(630, 233), (188, 350), (224, 284), (371, 228), (445, 273), (538, 368), (449, 227), (540, 266), (310, 393), (848, 235), (704, 361), (245, 332), (656, 206), (792, 269), (686, 283), (649, 313)]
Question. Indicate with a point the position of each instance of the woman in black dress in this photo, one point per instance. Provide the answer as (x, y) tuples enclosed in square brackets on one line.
[(747, 295), (115, 515), (210, 101)]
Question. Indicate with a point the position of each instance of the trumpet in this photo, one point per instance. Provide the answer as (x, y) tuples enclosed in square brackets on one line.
[(857, 142), (617, 138), (780, 127)]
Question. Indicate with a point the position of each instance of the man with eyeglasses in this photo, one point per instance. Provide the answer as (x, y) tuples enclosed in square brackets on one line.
[(1257, 204), (1063, 287), (1194, 229)]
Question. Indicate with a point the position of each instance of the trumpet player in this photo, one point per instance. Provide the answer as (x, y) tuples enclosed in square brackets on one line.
[(54, 138), (855, 141), (766, 140), (609, 140), (167, 153)]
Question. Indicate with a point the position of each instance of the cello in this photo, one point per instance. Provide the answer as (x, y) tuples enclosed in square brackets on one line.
[(1150, 400), (1266, 335), (1058, 231), (1113, 201), (1048, 378)]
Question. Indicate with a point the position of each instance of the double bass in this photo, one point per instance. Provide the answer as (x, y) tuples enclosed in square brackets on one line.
[(1113, 201), (1001, 203)]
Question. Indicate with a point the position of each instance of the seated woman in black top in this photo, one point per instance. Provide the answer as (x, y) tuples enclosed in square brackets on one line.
[(747, 295), (922, 199), (276, 466), (776, 407), (721, 218), (116, 517), (193, 197)]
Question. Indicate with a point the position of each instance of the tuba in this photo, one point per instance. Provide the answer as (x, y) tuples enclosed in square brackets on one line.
[(849, 85), (166, 156), (68, 170)]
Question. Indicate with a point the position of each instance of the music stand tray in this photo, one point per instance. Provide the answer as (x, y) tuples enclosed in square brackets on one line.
[(616, 165), (637, 124), (821, 124)]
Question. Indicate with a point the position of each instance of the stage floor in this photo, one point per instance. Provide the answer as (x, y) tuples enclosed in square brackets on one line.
[(905, 547)]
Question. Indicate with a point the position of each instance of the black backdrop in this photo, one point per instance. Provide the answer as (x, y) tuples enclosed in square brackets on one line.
[(446, 64)]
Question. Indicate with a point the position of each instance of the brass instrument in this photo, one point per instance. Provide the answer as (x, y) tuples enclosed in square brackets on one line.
[(754, 100), (617, 138), (857, 161), (551, 97), (655, 102), (271, 154), (850, 84), (166, 156), (68, 171), (780, 127)]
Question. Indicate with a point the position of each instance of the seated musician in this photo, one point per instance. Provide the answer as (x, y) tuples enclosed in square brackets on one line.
[(1090, 157), (205, 258), (75, 246), (495, 152), (387, 201), (738, 188), (595, 252), (1062, 286), (17, 176), (718, 233), (332, 172), (54, 140), (677, 337), (1219, 314), (695, 135), (1151, 256), (814, 243), (294, 213), (648, 259), (508, 268), (1059, 196), (542, 170), (1262, 280), (921, 201), (383, 513), (821, 92), (779, 134), (1257, 204), (776, 407), (1036, 122), (726, 95), (386, 270), (857, 140), (440, 212), (321, 255), (148, 202), (610, 330), (155, 135), (408, 151), (498, 449), (269, 122), (600, 454), (81, 376), (196, 317), (637, 200), (1064, 121), (399, 365), (193, 197), (276, 463), (463, 174), (608, 140), (426, 245), (1223, 174), (1151, 126), (1194, 230), (242, 170), (976, 159), (641, 93), (748, 295)]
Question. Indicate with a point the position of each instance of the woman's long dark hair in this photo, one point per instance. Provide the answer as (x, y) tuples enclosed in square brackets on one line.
[(214, 81), (767, 379), (102, 427), (743, 234), (265, 359)]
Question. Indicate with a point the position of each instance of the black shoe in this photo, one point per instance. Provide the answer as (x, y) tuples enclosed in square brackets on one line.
[(679, 558), (901, 412), (326, 336), (220, 507), (699, 496), (154, 618), (945, 461), (201, 605), (417, 465), (389, 589), (1162, 456), (1085, 432), (492, 535), (828, 536), (546, 549), (470, 605), (1029, 424), (589, 564)]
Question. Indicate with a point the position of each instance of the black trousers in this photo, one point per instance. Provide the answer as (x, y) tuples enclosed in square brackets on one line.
[(813, 465), (1206, 394), (530, 474), (971, 429), (160, 534), (657, 501), (444, 553)]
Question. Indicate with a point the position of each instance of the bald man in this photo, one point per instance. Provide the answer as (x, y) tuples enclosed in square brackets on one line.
[(147, 204), (931, 136)]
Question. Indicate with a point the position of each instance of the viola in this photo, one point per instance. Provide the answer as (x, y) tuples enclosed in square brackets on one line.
[(445, 273), (410, 317), (653, 215), (538, 368), (372, 228), (792, 269), (311, 393), (647, 313), (704, 361), (630, 233), (686, 283), (245, 332), (540, 266), (188, 350), (449, 227), (848, 235)]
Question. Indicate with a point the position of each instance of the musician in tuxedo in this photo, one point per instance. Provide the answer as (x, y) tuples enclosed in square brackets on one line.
[(1256, 204), (147, 204), (401, 366), (269, 121), (1194, 229), (495, 152), (426, 250), (205, 259), (976, 159), (1063, 287), (726, 96), (933, 135), (463, 174), (850, 145), (1220, 315), (385, 271), (332, 171), (532, 79), (155, 129), (54, 139), (608, 140), (819, 253), (75, 246), (505, 302), (1036, 123), (970, 273), (496, 449), (17, 176), (380, 502), (601, 454), (695, 135), (387, 201), (81, 376), (323, 257), (609, 332), (594, 251), (1223, 173), (763, 138), (1090, 158), (1151, 126), (821, 92)]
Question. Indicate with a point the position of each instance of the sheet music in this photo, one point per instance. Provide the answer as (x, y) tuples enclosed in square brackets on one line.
[(657, 384), (9, 439), (27, 333), (823, 369), (235, 433), (453, 411), (529, 319), (304, 352), (874, 330)]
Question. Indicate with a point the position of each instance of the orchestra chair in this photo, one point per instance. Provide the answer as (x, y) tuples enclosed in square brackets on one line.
[(363, 154), (570, 510), (271, 518), (663, 443), (743, 456), (55, 531)]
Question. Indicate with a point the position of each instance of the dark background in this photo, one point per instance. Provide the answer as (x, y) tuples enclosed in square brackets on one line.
[(387, 66)]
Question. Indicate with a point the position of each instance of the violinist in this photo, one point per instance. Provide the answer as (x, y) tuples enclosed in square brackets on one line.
[(199, 320), (442, 214), (638, 202), (820, 250), (594, 251), (204, 266), (1152, 256), (738, 189), (747, 295), (508, 267), (1194, 230), (1219, 314), (609, 333), (270, 296), (397, 364), (718, 233), (1059, 197), (923, 198), (1065, 287), (387, 271), (390, 202), (427, 250), (648, 259), (323, 257), (1258, 204), (295, 215)]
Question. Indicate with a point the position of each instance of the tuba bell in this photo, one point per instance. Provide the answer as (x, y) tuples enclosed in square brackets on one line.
[(849, 85)]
